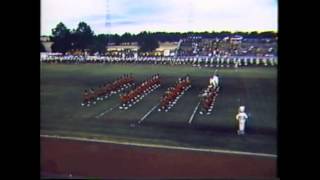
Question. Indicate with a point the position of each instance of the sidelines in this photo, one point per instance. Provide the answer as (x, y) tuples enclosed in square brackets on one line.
[(194, 112), (161, 146), (106, 111), (147, 114)]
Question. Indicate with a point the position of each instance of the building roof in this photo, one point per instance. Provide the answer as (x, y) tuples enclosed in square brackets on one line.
[(134, 47), (167, 46), (44, 38), (122, 47)]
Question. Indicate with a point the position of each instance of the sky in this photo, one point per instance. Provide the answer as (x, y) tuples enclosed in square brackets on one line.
[(134, 16)]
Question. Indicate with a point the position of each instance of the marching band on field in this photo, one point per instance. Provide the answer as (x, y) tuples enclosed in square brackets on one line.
[(217, 61), (167, 100), (130, 93)]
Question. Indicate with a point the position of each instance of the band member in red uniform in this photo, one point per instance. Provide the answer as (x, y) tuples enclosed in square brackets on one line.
[(92, 96), (86, 98)]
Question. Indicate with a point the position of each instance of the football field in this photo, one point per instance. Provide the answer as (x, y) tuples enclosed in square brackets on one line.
[(255, 87)]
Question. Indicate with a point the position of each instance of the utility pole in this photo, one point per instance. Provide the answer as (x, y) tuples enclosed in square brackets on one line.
[(108, 22)]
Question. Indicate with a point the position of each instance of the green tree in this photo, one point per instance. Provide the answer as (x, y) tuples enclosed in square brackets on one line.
[(225, 33), (147, 42), (268, 34), (60, 31), (126, 37), (99, 44), (61, 37), (116, 39), (83, 36), (253, 34)]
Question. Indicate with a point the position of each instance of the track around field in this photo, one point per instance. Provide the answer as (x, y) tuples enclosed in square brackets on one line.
[(107, 160)]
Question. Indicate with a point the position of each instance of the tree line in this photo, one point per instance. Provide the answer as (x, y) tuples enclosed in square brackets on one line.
[(83, 38)]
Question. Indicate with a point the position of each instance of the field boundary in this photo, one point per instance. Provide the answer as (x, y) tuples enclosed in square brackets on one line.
[(160, 146), (194, 112), (106, 111), (148, 113)]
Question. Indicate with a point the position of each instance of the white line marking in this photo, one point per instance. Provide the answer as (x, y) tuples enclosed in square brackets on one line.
[(105, 112), (147, 114), (161, 146), (194, 112)]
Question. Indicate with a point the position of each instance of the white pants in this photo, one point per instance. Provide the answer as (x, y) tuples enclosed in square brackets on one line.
[(242, 124)]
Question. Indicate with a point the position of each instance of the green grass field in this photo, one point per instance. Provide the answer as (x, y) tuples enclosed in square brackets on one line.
[(256, 88)]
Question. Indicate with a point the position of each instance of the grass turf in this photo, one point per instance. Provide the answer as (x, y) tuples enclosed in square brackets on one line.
[(254, 87)]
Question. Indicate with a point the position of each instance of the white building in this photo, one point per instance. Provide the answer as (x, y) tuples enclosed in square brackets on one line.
[(45, 41)]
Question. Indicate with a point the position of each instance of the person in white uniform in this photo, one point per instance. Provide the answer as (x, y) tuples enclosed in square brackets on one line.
[(214, 81), (241, 119)]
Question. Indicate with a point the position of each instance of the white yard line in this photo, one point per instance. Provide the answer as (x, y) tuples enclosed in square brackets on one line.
[(161, 146), (105, 112), (194, 112), (147, 114)]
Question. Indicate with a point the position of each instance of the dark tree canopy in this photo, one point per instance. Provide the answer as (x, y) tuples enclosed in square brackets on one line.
[(99, 44), (83, 38), (147, 42), (60, 31), (61, 38), (127, 37), (116, 39)]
